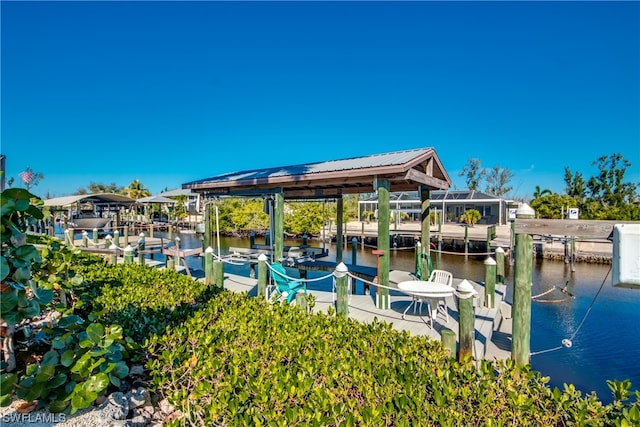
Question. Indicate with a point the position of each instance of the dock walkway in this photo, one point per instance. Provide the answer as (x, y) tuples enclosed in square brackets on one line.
[(492, 330)]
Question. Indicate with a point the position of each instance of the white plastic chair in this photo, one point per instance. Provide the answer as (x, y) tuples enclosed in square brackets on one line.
[(446, 278)]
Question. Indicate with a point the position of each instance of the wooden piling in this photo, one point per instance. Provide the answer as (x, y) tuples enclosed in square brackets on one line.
[(342, 291), (382, 294), (466, 315), (85, 239), (208, 266), (95, 237), (128, 255), (218, 274), (354, 251), (262, 276), (499, 266), (448, 338), (339, 237), (113, 256), (116, 238), (520, 348), (301, 301), (141, 247), (489, 283), (278, 225)]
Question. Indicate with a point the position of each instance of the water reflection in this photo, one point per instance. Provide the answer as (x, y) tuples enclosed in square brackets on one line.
[(607, 346)]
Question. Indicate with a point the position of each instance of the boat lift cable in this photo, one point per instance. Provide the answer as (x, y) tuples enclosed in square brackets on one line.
[(568, 342)]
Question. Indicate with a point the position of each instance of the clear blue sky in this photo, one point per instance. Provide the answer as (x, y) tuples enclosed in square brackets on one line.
[(169, 92)]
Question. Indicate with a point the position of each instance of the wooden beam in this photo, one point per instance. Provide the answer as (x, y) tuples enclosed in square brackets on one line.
[(423, 178), (567, 227)]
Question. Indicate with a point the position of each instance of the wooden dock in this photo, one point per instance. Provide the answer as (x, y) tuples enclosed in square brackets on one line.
[(492, 329)]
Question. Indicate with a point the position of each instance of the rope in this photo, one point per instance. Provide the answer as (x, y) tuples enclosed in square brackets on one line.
[(553, 288), (568, 342), (295, 279)]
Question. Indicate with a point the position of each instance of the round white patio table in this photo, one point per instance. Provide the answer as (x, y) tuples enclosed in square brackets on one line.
[(431, 291)]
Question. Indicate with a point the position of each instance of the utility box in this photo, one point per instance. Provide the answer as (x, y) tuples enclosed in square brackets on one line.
[(626, 256)]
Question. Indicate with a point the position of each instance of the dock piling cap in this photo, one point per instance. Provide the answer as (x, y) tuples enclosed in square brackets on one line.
[(341, 270), (262, 257), (465, 290)]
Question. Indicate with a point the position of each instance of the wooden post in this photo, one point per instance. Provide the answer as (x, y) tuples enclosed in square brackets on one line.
[(262, 276), (354, 250), (95, 237), (301, 301), (107, 241), (339, 212), (466, 240), (382, 294), (522, 300), (573, 254), (176, 260), (425, 227), (126, 235), (418, 259), (490, 283), (128, 255), (305, 240), (499, 265), (362, 236), (449, 341), (439, 241), (208, 265), (141, 249), (206, 238), (252, 239), (342, 298), (278, 227), (218, 274), (85, 239), (171, 265), (113, 256), (116, 238), (466, 315)]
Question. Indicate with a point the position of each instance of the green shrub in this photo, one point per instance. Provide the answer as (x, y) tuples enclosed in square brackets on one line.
[(241, 361)]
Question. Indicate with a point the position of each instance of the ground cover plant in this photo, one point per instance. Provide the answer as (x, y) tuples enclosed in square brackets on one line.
[(229, 359)]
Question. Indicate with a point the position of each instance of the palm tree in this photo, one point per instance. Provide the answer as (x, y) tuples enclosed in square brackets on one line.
[(137, 190), (541, 193)]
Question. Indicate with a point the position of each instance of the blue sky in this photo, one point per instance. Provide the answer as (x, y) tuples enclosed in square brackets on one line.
[(170, 92)]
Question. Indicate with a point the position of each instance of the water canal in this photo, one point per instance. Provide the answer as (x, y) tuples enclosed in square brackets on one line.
[(606, 346)]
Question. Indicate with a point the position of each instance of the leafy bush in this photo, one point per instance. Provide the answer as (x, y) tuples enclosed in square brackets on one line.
[(241, 361)]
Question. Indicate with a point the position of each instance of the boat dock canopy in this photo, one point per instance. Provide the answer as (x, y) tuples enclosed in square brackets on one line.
[(96, 199), (404, 170)]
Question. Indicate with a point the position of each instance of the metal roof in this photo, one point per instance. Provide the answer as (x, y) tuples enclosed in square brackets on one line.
[(155, 199), (405, 170), (448, 196), (101, 198)]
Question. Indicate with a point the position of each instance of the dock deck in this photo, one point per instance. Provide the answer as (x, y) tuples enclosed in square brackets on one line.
[(492, 330)]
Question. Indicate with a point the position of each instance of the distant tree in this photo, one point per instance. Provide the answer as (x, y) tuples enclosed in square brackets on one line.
[(553, 206), (473, 174), (608, 187), (303, 218), (96, 188), (540, 192), (576, 185), (137, 190), (498, 180)]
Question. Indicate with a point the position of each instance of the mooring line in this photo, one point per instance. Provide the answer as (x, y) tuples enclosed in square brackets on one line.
[(568, 342)]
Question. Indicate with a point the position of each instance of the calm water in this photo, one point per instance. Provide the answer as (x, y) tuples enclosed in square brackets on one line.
[(607, 345)]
